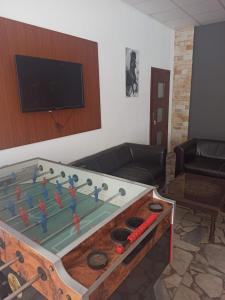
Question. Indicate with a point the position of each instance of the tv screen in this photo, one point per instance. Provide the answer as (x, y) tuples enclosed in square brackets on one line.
[(46, 84)]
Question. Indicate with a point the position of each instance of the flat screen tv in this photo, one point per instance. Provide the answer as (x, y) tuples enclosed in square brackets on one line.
[(46, 84)]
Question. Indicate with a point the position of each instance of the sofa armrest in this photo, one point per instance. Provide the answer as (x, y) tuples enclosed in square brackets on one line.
[(149, 154), (184, 152)]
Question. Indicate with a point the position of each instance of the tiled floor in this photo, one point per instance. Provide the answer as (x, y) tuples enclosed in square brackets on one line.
[(198, 268)]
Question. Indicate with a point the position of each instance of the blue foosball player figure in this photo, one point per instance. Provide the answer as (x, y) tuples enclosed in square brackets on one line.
[(11, 207), (5, 188), (13, 176), (71, 181), (59, 187), (96, 193), (44, 223), (44, 192), (29, 200), (34, 177), (73, 206)]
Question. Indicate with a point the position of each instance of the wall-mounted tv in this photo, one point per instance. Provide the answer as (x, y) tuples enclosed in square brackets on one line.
[(46, 84)]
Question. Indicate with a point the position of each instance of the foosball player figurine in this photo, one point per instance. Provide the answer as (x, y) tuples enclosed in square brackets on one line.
[(44, 181), (13, 176), (29, 200), (73, 206), (59, 187), (70, 180), (34, 177), (11, 207), (44, 192), (73, 192), (58, 199), (42, 206), (5, 188), (76, 221), (44, 223), (24, 216), (96, 193), (18, 193)]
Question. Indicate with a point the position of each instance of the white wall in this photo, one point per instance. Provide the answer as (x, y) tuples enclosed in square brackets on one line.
[(114, 25)]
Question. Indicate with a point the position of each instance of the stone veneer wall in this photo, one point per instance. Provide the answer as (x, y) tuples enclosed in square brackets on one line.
[(183, 52)]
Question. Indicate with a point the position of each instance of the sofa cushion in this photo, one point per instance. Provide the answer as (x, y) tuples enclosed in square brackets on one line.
[(211, 149), (123, 155), (153, 169), (90, 164), (107, 162), (134, 174), (205, 166)]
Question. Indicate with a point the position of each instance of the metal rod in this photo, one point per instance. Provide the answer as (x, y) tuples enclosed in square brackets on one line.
[(81, 185), (18, 182), (111, 198), (9, 263), (11, 194), (18, 202), (36, 207), (50, 216), (22, 288), (71, 223), (66, 226), (8, 177), (26, 188), (28, 210)]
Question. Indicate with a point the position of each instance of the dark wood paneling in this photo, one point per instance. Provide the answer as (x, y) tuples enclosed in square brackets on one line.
[(18, 128)]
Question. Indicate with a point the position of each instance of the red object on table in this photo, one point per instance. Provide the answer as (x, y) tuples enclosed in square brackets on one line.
[(24, 216), (119, 249), (18, 192), (141, 229)]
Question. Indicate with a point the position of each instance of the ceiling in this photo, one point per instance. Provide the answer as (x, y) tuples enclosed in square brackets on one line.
[(178, 14)]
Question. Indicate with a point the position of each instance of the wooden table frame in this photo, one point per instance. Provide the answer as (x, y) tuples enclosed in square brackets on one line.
[(175, 190)]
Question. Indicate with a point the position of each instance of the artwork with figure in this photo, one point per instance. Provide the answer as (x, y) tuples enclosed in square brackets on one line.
[(132, 72)]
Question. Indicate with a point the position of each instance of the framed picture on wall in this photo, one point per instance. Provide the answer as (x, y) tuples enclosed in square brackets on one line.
[(132, 72)]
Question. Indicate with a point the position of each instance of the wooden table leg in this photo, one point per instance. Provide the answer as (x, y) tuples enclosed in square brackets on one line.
[(212, 228)]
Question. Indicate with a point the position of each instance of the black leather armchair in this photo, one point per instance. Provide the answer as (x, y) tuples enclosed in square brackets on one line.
[(136, 162), (201, 156)]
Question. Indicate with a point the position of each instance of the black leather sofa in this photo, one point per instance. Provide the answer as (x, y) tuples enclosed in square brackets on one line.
[(201, 156), (140, 163)]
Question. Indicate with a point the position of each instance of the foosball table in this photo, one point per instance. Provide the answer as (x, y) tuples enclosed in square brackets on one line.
[(70, 233)]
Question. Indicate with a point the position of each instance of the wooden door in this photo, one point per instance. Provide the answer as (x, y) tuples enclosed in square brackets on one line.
[(159, 106)]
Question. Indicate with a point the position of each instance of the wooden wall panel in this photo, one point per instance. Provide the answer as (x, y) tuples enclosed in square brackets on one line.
[(17, 128)]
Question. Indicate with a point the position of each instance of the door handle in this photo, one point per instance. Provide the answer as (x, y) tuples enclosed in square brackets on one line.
[(154, 120)]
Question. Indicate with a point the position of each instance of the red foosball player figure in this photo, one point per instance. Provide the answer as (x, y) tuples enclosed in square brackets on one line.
[(73, 192), (58, 199), (76, 221), (42, 206), (24, 216), (44, 181), (18, 193)]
